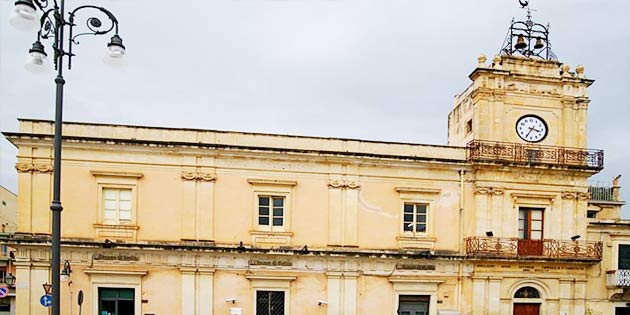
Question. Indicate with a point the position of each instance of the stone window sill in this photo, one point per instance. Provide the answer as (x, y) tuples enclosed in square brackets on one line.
[(417, 242), (270, 238), (116, 231)]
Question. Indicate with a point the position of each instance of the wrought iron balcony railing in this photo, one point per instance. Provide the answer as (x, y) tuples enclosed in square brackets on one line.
[(499, 247), (492, 151), (618, 278), (599, 193)]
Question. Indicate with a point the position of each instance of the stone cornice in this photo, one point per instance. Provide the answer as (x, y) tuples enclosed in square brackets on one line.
[(225, 149)]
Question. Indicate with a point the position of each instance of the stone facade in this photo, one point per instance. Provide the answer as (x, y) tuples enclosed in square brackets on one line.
[(212, 222)]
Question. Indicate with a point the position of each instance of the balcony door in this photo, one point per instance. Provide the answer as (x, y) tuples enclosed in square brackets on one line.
[(530, 231)]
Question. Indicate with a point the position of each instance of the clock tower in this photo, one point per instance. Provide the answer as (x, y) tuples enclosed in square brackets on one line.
[(523, 96)]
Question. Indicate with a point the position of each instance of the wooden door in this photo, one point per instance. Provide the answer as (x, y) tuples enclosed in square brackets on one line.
[(526, 309)]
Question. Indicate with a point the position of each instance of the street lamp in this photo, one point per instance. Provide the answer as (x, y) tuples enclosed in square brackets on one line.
[(9, 280), (67, 270), (50, 19)]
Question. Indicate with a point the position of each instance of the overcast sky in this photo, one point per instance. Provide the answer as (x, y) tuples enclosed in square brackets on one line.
[(369, 69)]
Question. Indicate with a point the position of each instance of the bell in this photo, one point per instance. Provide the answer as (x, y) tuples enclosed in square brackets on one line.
[(520, 42), (539, 43)]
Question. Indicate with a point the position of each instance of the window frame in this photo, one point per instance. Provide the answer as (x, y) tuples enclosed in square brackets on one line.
[(116, 279), (271, 227), (415, 214), (117, 220), (616, 251), (275, 188), (116, 180), (428, 220), (101, 200), (271, 283), (257, 290), (527, 225), (116, 299)]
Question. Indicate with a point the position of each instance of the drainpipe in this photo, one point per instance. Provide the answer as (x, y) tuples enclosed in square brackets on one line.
[(461, 239)]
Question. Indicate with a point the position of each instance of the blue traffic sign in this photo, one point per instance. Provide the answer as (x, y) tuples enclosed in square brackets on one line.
[(46, 300), (4, 291)]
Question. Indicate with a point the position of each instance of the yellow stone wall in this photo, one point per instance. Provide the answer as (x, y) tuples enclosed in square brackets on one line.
[(194, 202)]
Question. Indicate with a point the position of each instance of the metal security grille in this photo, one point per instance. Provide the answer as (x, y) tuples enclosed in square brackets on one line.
[(269, 303)]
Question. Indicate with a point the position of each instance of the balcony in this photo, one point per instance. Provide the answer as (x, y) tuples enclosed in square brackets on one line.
[(498, 247), (504, 152), (618, 278)]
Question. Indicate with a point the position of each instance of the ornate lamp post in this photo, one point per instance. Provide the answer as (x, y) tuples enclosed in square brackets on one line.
[(50, 19)]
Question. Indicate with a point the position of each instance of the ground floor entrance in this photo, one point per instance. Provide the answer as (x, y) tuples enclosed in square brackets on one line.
[(526, 309), (413, 305)]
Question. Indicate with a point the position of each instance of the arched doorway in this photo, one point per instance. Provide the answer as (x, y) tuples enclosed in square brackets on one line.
[(527, 301)]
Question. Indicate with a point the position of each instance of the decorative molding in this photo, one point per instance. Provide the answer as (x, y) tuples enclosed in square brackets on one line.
[(28, 167), (584, 196), (482, 190), (343, 184), (116, 272), (270, 277), (199, 176), (549, 197), (277, 182), (576, 195), (417, 190), (98, 173)]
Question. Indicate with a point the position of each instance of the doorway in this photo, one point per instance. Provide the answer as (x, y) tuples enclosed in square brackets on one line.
[(413, 304), (526, 309)]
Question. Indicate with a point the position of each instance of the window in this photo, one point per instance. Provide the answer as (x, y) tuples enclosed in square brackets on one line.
[(115, 301), (269, 302), (591, 214), (413, 304), (415, 218), (469, 126), (623, 257), (117, 205), (527, 293), (271, 212), (530, 223)]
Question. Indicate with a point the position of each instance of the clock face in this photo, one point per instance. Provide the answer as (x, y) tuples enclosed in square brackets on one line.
[(531, 128)]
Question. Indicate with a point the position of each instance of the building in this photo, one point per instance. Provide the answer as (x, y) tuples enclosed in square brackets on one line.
[(187, 221), (8, 225)]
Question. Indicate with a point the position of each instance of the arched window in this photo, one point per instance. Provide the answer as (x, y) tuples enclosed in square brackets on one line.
[(527, 293)]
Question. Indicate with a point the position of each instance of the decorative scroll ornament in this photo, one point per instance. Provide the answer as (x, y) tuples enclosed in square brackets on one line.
[(343, 184), (569, 195), (482, 190), (584, 196), (199, 176), (28, 167)]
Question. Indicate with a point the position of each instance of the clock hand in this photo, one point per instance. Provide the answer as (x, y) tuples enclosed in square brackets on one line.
[(530, 131)]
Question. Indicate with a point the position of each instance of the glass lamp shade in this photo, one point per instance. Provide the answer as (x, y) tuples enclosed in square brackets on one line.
[(24, 16), (115, 56), (37, 63), (9, 280)]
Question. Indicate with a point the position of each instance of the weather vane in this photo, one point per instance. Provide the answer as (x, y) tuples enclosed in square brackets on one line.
[(523, 3)]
